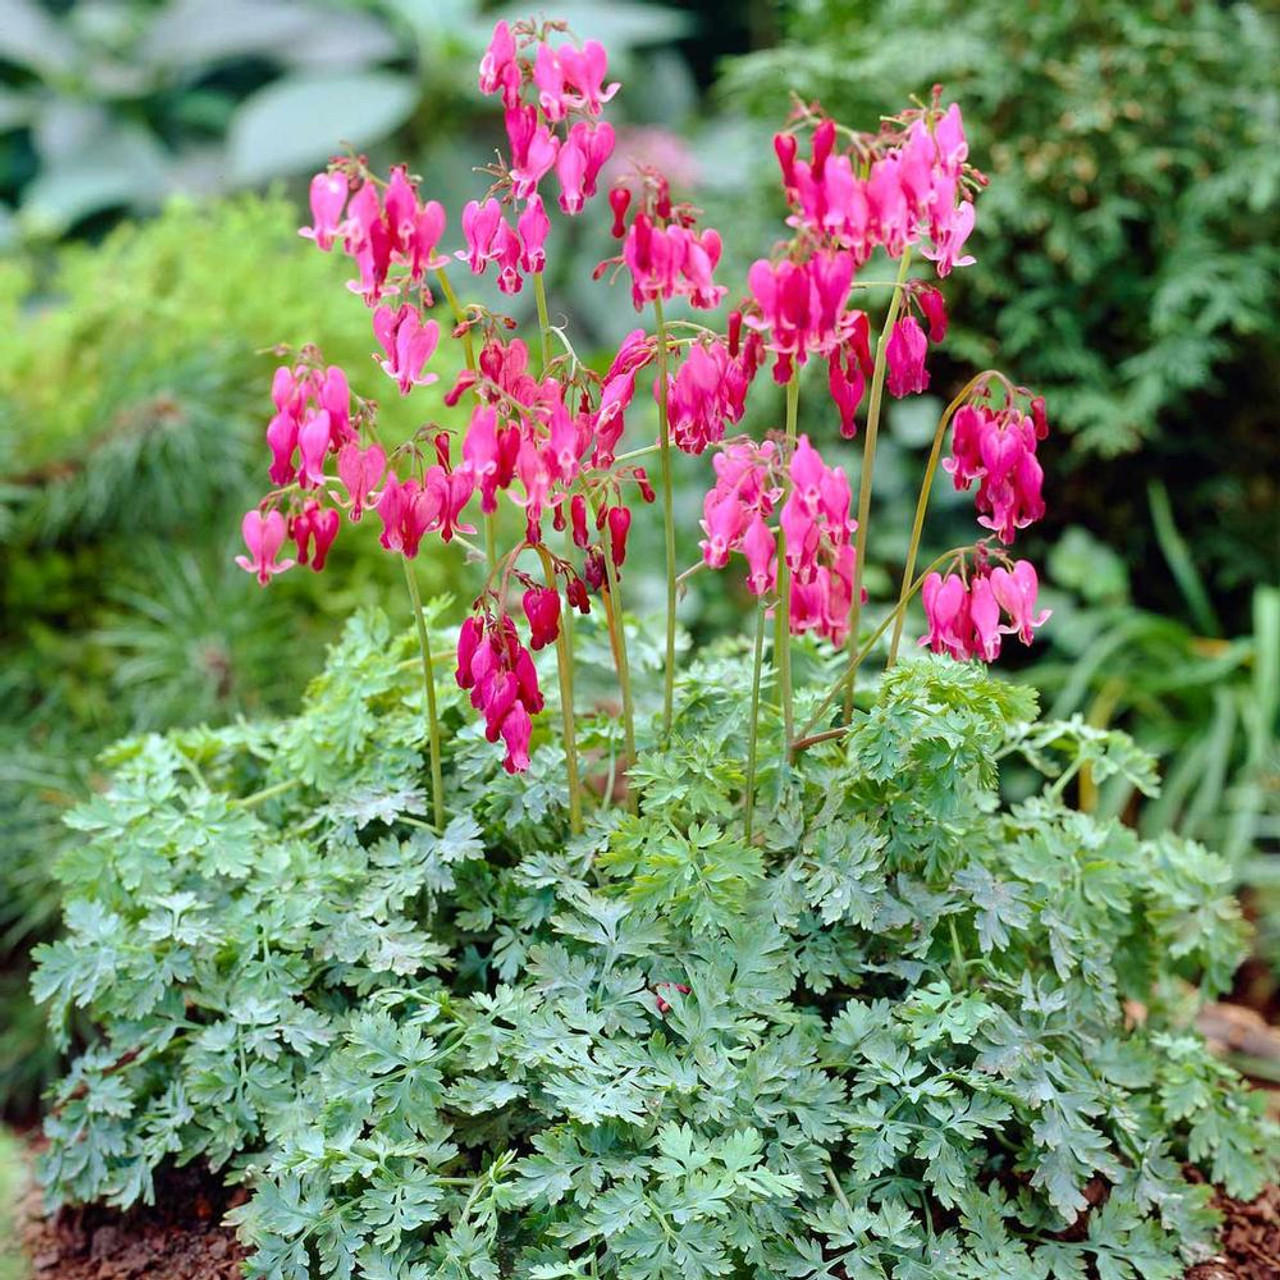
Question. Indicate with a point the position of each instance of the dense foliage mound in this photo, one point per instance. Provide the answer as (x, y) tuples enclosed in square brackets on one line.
[(906, 1031)]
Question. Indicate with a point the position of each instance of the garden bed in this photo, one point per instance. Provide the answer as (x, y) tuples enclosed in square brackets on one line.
[(181, 1237)]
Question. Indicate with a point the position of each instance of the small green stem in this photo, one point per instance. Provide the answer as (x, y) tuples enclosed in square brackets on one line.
[(922, 505), (637, 453), (564, 669), (544, 318), (868, 468), (429, 684), (757, 662), (618, 642), (783, 615), (957, 953), (668, 506), (267, 793), (458, 315), (835, 1186), (469, 356)]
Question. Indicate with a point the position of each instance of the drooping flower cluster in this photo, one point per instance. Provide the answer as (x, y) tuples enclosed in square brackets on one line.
[(964, 611), (905, 186), (663, 250), (997, 448), (313, 419), (379, 229), (560, 129), (498, 670), (814, 520), (707, 392), (413, 508), (899, 188)]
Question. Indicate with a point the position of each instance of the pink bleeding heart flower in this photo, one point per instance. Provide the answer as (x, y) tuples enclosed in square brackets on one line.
[(935, 312), (533, 150), (542, 608), (479, 225), (946, 609), (949, 235), (571, 169), (619, 522), (264, 535), (315, 436), (517, 734), (481, 454), (1010, 492), (846, 385), (335, 399), (532, 228), (968, 427), (409, 344), (367, 239), (328, 199), (548, 78), (723, 518), (905, 355), (428, 229), (469, 638), (405, 512), (584, 71), (581, 158), (282, 439), (318, 525), (499, 69), (508, 253), (1016, 593), (760, 548), (361, 471), (984, 615)]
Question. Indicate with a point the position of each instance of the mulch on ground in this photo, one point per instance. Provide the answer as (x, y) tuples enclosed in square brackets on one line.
[(1250, 1240), (178, 1238)]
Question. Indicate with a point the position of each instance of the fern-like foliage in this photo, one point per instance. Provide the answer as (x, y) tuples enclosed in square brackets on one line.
[(893, 1036)]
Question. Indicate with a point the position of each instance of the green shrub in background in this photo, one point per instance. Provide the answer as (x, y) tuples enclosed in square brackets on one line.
[(887, 1038), (134, 390)]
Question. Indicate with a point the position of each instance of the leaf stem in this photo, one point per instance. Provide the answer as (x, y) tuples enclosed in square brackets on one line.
[(922, 505), (544, 318), (618, 641), (429, 684), (757, 662), (782, 615), (868, 469), (267, 793), (564, 668), (668, 506), (469, 356), (637, 453)]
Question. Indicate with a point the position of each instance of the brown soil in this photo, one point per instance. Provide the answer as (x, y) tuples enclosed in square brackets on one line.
[(179, 1238), (1250, 1240)]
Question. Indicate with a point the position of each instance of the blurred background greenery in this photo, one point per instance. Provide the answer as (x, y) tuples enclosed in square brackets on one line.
[(152, 158)]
